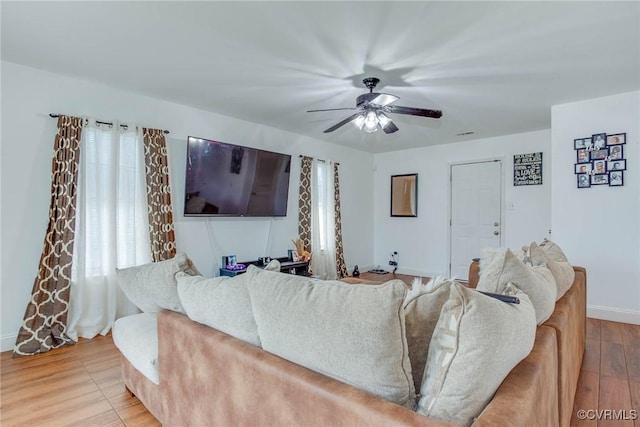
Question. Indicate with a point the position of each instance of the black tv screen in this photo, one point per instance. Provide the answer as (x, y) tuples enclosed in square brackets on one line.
[(230, 180)]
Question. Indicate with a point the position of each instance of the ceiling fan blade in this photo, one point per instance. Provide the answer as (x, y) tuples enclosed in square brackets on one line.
[(383, 99), (435, 114), (390, 127), (330, 109), (342, 123)]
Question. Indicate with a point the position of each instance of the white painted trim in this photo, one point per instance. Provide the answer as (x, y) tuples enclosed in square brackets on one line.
[(7, 342), (613, 314)]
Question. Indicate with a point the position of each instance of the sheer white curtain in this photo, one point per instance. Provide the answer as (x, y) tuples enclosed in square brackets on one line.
[(111, 226), (323, 228)]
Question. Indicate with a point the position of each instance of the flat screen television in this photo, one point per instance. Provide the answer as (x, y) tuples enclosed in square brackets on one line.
[(230, 180)]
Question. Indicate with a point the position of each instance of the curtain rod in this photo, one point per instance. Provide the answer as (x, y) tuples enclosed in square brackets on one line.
[(320, 160), (55, 116)]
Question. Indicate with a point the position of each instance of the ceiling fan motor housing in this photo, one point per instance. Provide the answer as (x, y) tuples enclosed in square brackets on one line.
[(371, 83)]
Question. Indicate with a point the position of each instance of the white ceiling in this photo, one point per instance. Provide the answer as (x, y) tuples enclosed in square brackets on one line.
[(494, 68)]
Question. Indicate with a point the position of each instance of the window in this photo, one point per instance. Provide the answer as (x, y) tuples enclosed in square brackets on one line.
[(111, 226), (321, 194)]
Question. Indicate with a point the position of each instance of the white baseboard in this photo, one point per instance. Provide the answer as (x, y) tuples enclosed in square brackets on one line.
[(7, 342), (613, 314)]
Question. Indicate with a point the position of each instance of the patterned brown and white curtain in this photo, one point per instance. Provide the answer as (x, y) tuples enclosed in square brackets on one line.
[(341, 267), (45, 321), (161, 229), (304, 204)]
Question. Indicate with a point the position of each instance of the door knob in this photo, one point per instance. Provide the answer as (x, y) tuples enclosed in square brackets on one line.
[(496, 232), (496, 224)]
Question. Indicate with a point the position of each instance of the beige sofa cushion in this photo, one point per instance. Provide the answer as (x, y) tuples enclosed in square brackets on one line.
[(136, 336), (152, 287), (537, 282), (422, 312), (562, 272), (222, 303), (478, 340), (352, 333)]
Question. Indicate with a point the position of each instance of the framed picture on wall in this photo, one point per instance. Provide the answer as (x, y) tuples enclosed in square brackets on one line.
[(583, 168), (599, 140), (617, 165), (583, 155), (404, 195), (599, 154), (615, 152), (599, 166), (580, 143), (600, 160), (617, 139), (616, 179), (600, 179), (583, 180)]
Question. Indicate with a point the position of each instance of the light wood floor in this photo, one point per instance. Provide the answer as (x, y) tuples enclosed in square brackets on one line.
[(81, 385), (610, 376), (78, 385)]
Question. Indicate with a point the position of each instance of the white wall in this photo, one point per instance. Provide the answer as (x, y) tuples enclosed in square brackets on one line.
[(599, 227), (422, 242), (29, 95)]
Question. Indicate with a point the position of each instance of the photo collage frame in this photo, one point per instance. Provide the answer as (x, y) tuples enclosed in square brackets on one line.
[(600, 160)]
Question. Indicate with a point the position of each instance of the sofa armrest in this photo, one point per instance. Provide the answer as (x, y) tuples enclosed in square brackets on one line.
[(528, 396), (209, 377)]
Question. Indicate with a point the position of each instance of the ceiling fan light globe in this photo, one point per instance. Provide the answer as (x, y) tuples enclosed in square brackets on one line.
[(371, 122), (359, 121), (383, 119)]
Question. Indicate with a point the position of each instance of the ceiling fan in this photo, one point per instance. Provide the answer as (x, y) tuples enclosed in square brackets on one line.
[(371, 109)]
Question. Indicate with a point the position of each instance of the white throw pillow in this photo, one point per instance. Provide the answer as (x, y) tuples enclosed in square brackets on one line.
[(478, 340), (152, 287), (421, 312), (274, 265), (352, 333), (222, 303), (563, 272), (553, 250), (537, 282)]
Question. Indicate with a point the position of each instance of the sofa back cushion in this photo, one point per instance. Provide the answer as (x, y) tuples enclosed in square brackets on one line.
[(422, 312), (152, 287), (503, 267), (352, 333), (222, 303), (477, 342)]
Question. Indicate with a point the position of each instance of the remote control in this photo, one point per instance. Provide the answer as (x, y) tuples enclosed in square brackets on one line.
[(506, 298)]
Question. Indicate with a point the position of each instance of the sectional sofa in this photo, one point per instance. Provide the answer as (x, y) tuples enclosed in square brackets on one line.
[(196, 375)]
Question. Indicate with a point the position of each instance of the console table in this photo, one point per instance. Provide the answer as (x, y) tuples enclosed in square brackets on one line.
[(300, 268)]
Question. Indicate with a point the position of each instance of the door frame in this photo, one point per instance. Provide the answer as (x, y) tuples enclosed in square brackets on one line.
[(501, 160)]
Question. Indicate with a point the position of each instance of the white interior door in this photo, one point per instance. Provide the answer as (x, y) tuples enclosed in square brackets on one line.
[(476, 207)]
